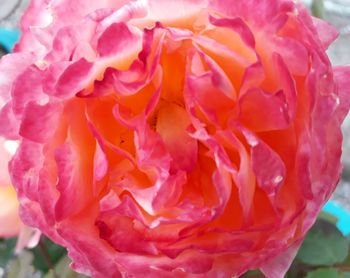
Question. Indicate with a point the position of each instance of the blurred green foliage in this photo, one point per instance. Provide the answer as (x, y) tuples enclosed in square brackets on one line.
[(45, 260), (6, 250), (323, 245), (327, 273), (325, 253), (317, 8), (47, 254)]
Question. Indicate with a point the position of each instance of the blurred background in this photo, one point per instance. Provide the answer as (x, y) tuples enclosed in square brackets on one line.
[(49, 260)]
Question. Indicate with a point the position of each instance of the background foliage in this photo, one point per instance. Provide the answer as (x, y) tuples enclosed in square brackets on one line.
[(325, 253)]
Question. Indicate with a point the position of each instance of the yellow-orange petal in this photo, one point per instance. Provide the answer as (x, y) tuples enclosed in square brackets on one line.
[(9, 219)]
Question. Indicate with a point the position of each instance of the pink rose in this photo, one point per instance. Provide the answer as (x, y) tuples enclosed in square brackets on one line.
[(174, 138)]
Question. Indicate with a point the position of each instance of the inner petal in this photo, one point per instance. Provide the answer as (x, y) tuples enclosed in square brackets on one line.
[(171, 125)]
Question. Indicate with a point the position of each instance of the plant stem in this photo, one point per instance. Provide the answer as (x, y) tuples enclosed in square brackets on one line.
[(46, 256), (317, 8), (343, 268)]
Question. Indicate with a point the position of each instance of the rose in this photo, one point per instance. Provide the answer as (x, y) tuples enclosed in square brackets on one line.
[(11, 224), (174, 138)]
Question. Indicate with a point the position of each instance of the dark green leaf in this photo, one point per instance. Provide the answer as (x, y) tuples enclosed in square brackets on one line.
[(323, 273), (347, 260), (7, 247), (328, 217), (47, 254), (324, 245), (296, 270), (327, 273), (253, 274)]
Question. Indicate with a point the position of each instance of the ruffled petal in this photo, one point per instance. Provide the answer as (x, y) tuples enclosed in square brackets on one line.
[(40, 129)]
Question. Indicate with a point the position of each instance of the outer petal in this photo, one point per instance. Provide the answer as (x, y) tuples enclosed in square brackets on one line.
[(174, 11), (278, 266), (11, 66), (9, 124), (341, 76), (326, 32), (265, 10)]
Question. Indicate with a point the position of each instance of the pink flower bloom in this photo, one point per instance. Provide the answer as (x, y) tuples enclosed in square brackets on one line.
[(173, 138)]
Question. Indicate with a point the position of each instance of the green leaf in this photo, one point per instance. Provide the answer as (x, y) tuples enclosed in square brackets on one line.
[(324, 245), (328, 217), (323, 273), (347, 260), (7, 247), (253, 274), (346, 275)]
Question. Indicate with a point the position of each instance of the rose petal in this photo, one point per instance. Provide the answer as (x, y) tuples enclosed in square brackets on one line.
[(261, 111), (11, 66), (40, 130), (9, 125), (172, 122), (73, 79), (110, 44), (326, 32), (278, 266), (272, 175), (27, 88), (72, 185), (341, 77)]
